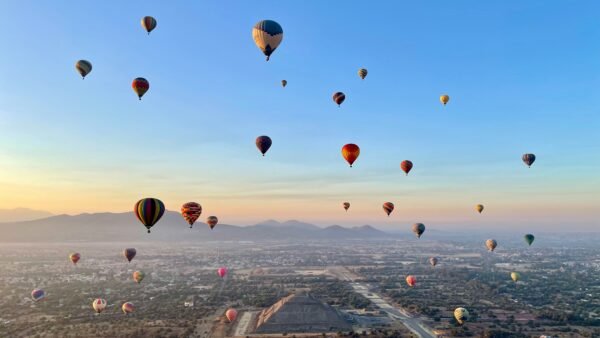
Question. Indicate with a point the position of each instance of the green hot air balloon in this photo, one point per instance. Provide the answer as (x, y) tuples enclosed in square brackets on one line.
[(529, 238)]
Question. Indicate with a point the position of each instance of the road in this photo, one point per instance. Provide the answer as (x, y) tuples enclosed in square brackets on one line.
[(243, 323)]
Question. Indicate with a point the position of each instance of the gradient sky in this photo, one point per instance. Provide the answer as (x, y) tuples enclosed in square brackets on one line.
[(523, 76)]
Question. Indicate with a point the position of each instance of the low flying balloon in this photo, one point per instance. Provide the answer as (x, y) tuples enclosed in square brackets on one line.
[(528, 159), (515, 276), (127, 308), (339, 98), (418, 229), (346, 205), (529, 238), (212, 221), (129, 253), (231, 315), (38, 294), (411, 280), (479, 208), (138, 276), (99, 305), (433, 261), (222, 272), (263, 143), (140, 86), (461, 315), (267, 35), (75, 257), (406, 166), (444, 99), (190, 211), (388, 207), (149, 211), (283, 83), (491, 244), (148, 23), (350, 152), (84, 67), (362, 73)]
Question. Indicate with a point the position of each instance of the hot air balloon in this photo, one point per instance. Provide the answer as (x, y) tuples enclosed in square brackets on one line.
[(99, 305), (231, 315), (339, 98), (491, 244), (418, 229), (388, 207), (444, 99), (411, 280), (461, 314), (528, 159), (350, 153), (138, 276), (283, 83), (38, 294), (406, 166), (479, 208), (140, 86), (362, 73), (129, 253), (127, 307), (263, 143), (346, 205), (75, 257), (148, 23), (222, 272), (515, 276), (149, 211), (529, 238), (84, 67), (267, 35), (433, 261), (190, 212), (212, 221)]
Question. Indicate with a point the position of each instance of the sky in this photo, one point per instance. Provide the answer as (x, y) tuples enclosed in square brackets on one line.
[(523, 77)]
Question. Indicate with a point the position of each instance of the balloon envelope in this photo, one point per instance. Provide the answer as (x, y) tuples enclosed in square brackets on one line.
[(362, 73), (388, 207), (346, 205), (222, 272), (190, 211), (479, 208), (267, 35), (38, 294), (461, 315), (99, 305), (138, 276), (263, 143), (350, 152), (433, 261), (491, 244), (418, 229), (129, 253), (515, 276), (75, 257), (528, 159), (529, 238), (148, 23), (283, 83), (149, 211), (140, 86), (231, 315), (444, 99), (339, 98), (411, 280), (212, 221), (127, 308), (406, 166), (83, 67)]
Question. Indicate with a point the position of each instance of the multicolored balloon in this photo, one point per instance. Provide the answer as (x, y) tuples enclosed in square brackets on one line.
[(190, 212), (479, 208), (339, 98), (444, 99), (99, 305), (38, 294), (362, 73), (350, 152), (74, 257), (418, 229), (388, 207), (127, 307), (222, 272), (528, 159), (148, 23), (529, 239), (461, 315), (267, 35), (515, 276), (263, 143), (129, 253), (149, 211), (411, 280), (491, 244), (140, 86), (406, 166), (346, 205), (283, 83), (231, 315), (84, 67), (138, 276), (212, 221)]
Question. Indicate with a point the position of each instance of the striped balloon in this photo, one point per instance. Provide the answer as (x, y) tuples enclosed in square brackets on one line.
[(406, 166), (148, 23), (263, 143), (528, 159), (461, 315), (267, 35), (388, 207), (190, 212), (127, 308), (149, 211), (362, 73), (418, 229), (38, 294), (84, 67), (491, 244), (99, 305), (140, 86), (339, 98)]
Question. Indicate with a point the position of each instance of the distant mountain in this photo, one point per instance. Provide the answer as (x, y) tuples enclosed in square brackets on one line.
[(22, 214), (103, 227)]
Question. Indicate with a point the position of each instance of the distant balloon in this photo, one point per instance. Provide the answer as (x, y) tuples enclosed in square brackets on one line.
[(231, 315), (433, 261), (267, 35), (362, 73), (140, 86), (346, 205), (190, 212), (418, 229), (491, 244), (138, 276), (411, 280), (129, 253), (127, 308), (263, 143), (283, 83), (479, 208), (528, 159), (444, 99), (406, 166), (350, 152), (222, 272), (461, 314), (339, 98), (99, 305), (388, 207), (75, 257), (38, 294), (148, 23), (84, 67), (529, 239), (149, 211), (212, 221), (515, 276)]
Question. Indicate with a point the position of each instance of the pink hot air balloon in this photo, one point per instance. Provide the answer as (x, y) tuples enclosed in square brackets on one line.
[(222, 272), (231, 315)]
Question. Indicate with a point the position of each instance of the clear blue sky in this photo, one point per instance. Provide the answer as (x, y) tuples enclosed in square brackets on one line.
[(523, 76)]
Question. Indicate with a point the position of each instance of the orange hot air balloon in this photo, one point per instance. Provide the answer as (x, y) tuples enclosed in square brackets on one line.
[(212, 221), (406, 166), (411, 280), (350, 152), (75, 257), (231, 315), (190, 212), (140, 86), (388, 207)]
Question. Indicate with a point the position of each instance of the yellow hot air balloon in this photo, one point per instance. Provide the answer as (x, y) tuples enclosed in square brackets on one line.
[(461, 314), (444, 99), (479, 208), (515, 276)]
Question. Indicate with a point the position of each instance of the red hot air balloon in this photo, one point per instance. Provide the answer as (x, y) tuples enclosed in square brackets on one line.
[(190, 212), (388, 207), (350, 153), (127, 307), (406, 166), (411, 280), (212, 221), (339, 98), (263, 143), (231, 315), (129, 253), (140, 86), (75, 257), (222, 272)]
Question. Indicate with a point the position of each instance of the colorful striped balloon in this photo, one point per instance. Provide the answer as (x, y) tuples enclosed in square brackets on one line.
[(212, 221), (138, 276), (406, 166), (388, 207), (267, 35), (140, 86), (148, 23), (99, 305), (362, 73), (528, 159), (149, 211), (190, 212), (338, 98)]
